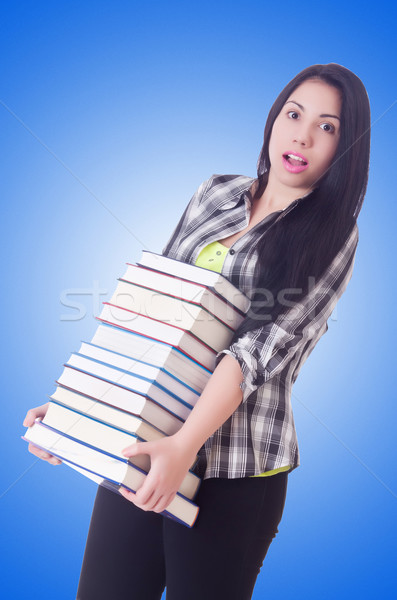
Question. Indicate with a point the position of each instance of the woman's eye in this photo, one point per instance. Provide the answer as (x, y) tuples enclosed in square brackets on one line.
[(291, 114), (327, 127)]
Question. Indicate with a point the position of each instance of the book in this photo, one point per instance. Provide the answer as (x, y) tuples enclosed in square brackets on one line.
[(163, 332), (107, 414), (154, 352), (117, 471), (131, 382), (189, 291), (88, 430), (141, 369), (168, 309), (117, 396), (196, 274)]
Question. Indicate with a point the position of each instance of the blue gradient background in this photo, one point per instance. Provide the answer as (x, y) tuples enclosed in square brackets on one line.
[(111, 115)]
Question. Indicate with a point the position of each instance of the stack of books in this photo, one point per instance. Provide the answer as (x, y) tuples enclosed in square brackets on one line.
[(142, 373)]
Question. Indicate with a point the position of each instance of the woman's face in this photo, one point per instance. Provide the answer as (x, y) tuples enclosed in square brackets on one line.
[(305, 135)]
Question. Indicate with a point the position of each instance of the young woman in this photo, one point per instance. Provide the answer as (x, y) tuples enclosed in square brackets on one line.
[(286, 238)]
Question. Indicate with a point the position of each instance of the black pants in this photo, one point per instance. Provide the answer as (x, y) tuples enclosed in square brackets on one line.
[(132, 554)]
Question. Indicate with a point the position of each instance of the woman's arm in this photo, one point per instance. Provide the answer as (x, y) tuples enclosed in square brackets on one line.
[(264, 352), (171, 457)]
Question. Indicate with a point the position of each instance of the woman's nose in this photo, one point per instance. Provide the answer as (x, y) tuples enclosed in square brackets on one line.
[(303, 138)]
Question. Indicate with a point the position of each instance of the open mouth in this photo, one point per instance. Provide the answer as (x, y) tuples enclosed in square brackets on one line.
[(295, 160)]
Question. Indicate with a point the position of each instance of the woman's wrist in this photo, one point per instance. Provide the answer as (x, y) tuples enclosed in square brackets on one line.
[(187, 443)]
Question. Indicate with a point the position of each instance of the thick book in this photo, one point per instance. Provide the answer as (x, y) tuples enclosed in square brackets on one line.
[(196, 274), (142, 369), (131, 382), (168, 309), (189, 291), (163, 332), (117, 396), (119, 472), (154, 353), (105, 437), (107, 414)]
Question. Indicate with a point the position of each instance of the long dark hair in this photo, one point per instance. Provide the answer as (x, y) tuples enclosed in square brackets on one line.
[(304, 242)]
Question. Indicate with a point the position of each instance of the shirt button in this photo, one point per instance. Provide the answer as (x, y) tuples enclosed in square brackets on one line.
[(232, 251)]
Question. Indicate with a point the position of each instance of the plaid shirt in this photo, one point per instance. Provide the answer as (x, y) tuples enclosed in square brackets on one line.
[(260, 435)]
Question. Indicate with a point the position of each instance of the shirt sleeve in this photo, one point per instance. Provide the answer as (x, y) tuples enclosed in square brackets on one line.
[(264, 352)]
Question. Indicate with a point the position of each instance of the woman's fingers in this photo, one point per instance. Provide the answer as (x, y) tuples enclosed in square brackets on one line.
[(137, 448), (38, 452), (154, 503), (145, 498), (163, 502), (39, 413), (53, 460), (35, 413), (146, 492), (30, 418), (127, 494)]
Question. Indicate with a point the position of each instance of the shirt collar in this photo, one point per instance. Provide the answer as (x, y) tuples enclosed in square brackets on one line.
[(242, 193)]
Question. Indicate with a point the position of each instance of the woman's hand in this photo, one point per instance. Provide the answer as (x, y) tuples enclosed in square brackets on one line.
[(170, 461), (31, 416)]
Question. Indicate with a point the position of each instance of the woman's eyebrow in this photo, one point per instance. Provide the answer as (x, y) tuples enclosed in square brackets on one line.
[(302, 108)]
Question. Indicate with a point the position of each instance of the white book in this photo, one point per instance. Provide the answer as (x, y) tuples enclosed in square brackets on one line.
[(196, 274), (174, 311), (131, 382), (155, 352), (185, 290), (120, 397), (107, 414), (175, 336), (101, 465), (133, 365)]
